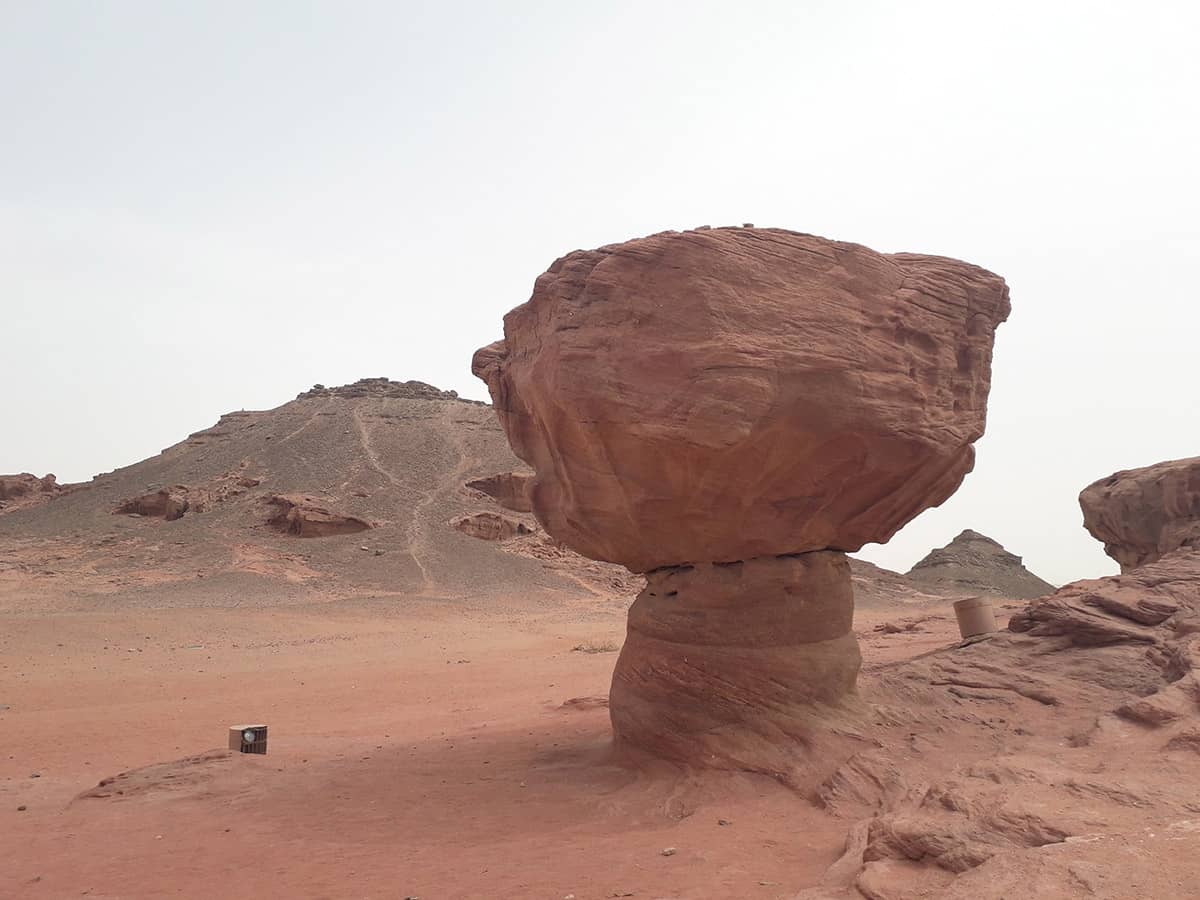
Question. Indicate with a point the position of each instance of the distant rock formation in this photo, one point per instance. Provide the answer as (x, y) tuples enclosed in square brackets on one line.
[(306, 517), (383, 387), (173, 502), (14, 486), (974, 563), (490, 526), (165, 503), (726, 411), (24, 490), (1141, 514), (510, 489)]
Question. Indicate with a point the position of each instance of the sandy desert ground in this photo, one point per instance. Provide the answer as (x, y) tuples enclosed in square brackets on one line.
[(437, 705), (416, 748)]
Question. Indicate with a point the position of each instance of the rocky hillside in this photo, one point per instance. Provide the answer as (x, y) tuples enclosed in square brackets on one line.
[(342, 492), (973, 563)]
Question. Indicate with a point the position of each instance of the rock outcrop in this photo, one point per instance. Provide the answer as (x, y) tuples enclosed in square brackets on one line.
[(173, 502), (23, 490), (304, 516), (490, 526), (726, 411), (169, 503), (1141, 514), (382, 388), (974, 563), (733, 393), (14, 486), (510, 489)]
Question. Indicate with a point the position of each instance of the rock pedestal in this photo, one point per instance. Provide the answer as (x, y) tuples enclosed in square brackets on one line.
[(724, 410), (724, 661)]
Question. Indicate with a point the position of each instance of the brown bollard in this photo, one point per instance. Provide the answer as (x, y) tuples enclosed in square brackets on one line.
[(975, 616)]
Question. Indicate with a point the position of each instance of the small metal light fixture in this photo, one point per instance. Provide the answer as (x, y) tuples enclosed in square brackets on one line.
[(248, 738)]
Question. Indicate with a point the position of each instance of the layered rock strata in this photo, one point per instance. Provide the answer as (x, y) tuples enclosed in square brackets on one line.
[(1142, 514), (726, 410)]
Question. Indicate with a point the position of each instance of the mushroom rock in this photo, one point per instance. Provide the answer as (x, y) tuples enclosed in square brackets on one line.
[(728, 411), (1142, 514)]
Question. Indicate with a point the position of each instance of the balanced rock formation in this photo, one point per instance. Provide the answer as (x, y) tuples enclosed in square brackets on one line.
[(1142, 514), (728, 410), (974, 563)]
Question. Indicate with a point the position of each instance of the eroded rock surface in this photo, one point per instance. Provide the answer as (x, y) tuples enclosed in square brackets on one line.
[(24, 490), (726, 411), (1141, 514), (731, 662), (739, 393), (490, 526), (305, 516), (165, 503), (974, 563), (512, 490)]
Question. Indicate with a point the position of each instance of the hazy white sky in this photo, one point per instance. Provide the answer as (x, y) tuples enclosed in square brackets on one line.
[(210, 206)]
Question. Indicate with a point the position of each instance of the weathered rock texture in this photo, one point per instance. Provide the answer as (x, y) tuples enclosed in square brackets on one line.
[(733, 393), (25, 490), (974, 563), (747, 396), (490, 526), (165, 503), (14, 486), (728, 662), (306, 516), (380, 388), (510, 489), (1142, 514)]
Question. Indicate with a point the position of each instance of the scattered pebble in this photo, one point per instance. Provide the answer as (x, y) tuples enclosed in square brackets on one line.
[(670, 851), (724, 822), (35, 774), (22, 808)]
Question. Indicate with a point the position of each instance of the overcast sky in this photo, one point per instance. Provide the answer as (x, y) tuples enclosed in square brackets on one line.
[(211, 206)]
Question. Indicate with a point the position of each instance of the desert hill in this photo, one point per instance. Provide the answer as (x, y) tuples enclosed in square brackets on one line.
[(974, 563), (342, 491), (377, 487)]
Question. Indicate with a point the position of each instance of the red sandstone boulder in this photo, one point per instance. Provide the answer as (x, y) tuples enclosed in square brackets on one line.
[(14, 486), (1142, 514), (305, 516), (733, 393)]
